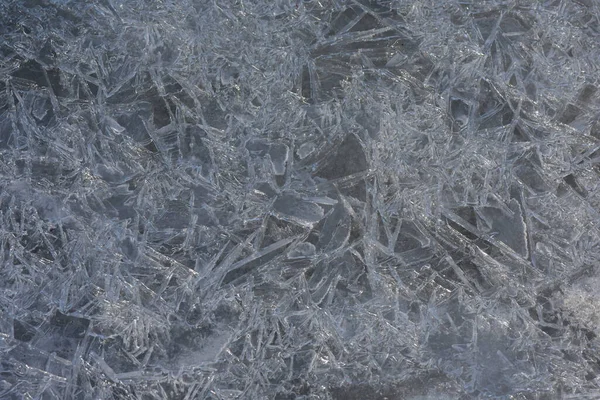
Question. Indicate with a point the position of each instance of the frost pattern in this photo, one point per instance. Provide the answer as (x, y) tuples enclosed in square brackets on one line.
[(288, 199)]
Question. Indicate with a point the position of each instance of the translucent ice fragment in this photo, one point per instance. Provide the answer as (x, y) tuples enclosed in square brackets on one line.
[(302, 250), (509, 229), (299, 210), (262, 253), (109, 173), (460, 113), (208, 350), (336, 229), (323, 200), (257, 148), (279, 157), (229, 74), (397, 60), (40, 108), (229, 393), (113, 126), (345, 159), (110, 373), (264, 189), (305, 150)]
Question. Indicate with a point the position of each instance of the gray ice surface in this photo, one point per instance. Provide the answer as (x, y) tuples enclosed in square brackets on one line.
[(299, 199)]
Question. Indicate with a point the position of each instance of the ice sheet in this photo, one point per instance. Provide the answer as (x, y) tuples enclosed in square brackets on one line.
[(287, 199)]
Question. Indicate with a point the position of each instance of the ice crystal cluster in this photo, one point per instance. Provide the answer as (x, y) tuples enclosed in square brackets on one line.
[(299, 199)]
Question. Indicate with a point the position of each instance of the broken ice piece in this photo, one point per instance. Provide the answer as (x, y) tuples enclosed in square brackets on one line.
[(336, 230), (328, 201), (302, 250), (257, 148), (229, 393), (509, 229), (264, 189), (305, 150), (298, 210), (279, 157), (113, 126), (397, 60), (40, 108)]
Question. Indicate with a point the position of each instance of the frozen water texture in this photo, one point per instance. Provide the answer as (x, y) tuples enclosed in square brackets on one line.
[(285, 199)]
